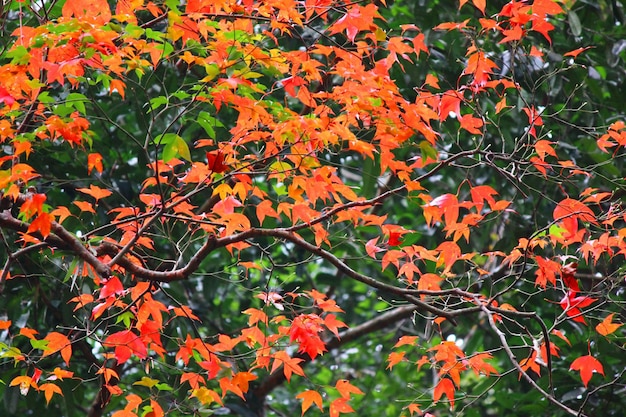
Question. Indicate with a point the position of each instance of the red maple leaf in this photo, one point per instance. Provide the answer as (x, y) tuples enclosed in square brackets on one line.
[(572, 304), (587, 365), (6, 97), (126, 343), (569, 211), (112, 287), (215, 161), (480, 67), (305, 330)]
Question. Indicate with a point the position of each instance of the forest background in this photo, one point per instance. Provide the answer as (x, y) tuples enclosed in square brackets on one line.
[(275, 207)]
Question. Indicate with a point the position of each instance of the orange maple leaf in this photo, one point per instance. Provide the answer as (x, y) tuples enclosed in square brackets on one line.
[(309, 398), (480, 4), (96, 192), (194, 379), (394, 358), (25, 382), (305, 330), (49, 390), (290, 365), (94, 161), (358, 18), (340, 405), (444, 386), (446, 205), (544, 7), (62, 213), (58, 342), (569, 211), (547, 271), (97, 11), (264, 209), (429, 282), (157, 411), (242, 380), (480, 67), (414, 409), (30, 333), (513, 34), (452, 25), (576, 52), (478, 365), (471, 124), (483, 193), (32, 205), (85, 206), (107, 374), (332, 324), (256, 316), (60, 374), (560, 335), (112, 286), (406, 340), (606, 327), (345, 388)]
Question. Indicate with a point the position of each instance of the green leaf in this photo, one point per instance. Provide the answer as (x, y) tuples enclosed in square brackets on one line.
[(77, 101), (154, 35), (157, 102), (125, 318), (164, 387), (574, 23), (19, 55), (7, 351), (181, 95), (176, 147), (212, 71), (44, 97), (39, 344), (236, 35), (208, 123), (71, 271), (165, 48), (427, 150), (556, 231), (165, 138)]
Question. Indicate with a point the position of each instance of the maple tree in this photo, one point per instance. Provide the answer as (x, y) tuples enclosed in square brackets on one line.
[(252, 207)]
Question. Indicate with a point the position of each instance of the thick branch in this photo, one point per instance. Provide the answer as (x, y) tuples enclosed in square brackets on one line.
[(59, 238), (343, 267), (63, 239), (160, 276)]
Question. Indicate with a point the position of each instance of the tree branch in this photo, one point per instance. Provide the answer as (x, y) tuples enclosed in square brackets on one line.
[(511, 355)]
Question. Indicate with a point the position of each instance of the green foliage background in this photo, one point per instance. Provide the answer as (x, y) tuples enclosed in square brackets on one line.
[(581, 98)]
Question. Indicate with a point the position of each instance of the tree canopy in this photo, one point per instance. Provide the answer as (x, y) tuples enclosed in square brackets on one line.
[(327, 207)]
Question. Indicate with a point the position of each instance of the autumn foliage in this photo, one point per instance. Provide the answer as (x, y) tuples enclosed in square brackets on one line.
[(179, 180)]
